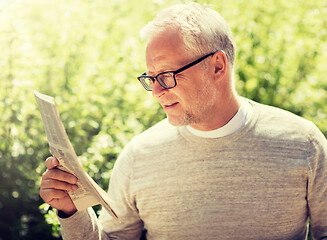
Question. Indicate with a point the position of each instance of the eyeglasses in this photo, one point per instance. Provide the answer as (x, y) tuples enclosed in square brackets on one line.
[(167, 79)]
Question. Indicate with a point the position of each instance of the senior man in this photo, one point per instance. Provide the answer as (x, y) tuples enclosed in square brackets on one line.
[(219, 167)]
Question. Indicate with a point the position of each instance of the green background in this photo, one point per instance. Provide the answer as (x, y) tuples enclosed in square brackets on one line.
[(87, 54)]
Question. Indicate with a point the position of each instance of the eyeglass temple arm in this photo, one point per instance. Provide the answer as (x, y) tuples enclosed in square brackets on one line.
[(193, 63)]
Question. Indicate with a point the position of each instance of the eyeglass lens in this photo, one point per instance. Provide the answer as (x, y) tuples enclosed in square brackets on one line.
[(166, 80)]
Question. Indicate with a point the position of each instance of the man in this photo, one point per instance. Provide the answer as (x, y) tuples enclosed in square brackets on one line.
[(219, 167)]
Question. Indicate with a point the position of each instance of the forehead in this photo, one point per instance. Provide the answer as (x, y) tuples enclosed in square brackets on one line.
[(165, 52)]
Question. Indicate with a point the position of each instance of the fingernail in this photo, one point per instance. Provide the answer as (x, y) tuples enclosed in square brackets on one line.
[(74, 187), (54, 161), (73, 179)]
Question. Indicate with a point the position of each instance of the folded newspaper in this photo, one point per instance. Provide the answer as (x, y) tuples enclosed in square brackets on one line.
[(89, 193)]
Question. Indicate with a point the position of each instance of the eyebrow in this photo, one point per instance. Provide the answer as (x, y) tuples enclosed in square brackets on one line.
[(162, 69)]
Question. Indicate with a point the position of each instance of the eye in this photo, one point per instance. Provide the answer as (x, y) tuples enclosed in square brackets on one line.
[(166, 76)]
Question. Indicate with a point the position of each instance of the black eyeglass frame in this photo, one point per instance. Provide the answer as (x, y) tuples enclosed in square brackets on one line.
[(148, 88)]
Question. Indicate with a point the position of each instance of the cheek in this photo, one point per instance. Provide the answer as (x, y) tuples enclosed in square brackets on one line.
[(192, 100), (194, 90), (206, 92)]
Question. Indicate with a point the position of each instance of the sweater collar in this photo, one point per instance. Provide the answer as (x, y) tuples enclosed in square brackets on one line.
[(238, 121)]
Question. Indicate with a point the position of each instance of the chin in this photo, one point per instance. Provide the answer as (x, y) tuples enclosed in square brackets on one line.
[(181, 120)]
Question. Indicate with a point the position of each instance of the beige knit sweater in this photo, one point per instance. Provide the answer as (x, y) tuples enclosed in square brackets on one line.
[(263, 182)]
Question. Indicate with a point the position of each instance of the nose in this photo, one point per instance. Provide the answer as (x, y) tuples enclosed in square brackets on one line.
[(158, 90)]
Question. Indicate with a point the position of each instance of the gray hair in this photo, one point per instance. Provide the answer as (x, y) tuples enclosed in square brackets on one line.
[(202, 29)]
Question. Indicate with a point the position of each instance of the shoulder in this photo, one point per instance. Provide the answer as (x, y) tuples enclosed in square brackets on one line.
[(275, 114), (148, 143), (162, 132), (282, 123), (153, 138)]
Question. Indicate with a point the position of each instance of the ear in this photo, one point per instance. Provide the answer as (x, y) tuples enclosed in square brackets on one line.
[(220, 64)]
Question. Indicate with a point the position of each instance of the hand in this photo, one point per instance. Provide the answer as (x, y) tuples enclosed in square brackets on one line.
[(55, 185)]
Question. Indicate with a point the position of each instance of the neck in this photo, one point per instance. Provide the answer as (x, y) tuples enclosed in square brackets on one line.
[(220, 115)]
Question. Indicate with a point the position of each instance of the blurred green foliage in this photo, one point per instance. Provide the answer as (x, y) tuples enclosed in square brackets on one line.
[(87, 54)]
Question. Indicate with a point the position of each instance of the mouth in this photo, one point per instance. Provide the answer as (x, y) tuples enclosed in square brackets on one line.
[(169, 106)]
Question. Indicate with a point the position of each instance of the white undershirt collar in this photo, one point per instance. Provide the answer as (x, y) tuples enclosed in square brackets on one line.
[(240, 118)]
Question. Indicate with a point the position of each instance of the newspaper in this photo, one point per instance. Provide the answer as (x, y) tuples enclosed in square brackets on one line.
[(89, 193)]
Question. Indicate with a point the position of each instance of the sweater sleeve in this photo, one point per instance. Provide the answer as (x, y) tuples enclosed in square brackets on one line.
[(317, 184), (122, 200), (85, 224), (82, 225)]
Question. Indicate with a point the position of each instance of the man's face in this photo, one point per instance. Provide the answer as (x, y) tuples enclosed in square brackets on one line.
[(192, 100)]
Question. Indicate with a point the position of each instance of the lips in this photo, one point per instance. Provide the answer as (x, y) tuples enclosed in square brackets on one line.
[(169, 106)]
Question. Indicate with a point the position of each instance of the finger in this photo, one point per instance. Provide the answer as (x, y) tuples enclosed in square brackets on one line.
[(55, 201), (58, 202), (59, 185), (49, 194), (65, 204), (51, 162), (57, 174)]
